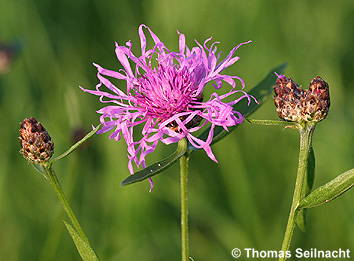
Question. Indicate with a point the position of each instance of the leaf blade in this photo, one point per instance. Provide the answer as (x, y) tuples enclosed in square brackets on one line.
[(85, 251), (300, 218), (157, 167), (261, 92), (329, 191)]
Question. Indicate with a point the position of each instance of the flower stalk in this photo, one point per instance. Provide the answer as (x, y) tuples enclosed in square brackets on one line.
[(37, 147), (184, 161), (54, 182), (305, 108), (306, 131)]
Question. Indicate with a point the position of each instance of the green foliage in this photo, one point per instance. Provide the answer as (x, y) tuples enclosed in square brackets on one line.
[(329, 191), (86, 253), (158, 166), (260, 92), (241, 202), (310, 179), (308, 184)]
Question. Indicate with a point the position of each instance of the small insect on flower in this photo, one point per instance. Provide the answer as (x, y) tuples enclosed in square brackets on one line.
[(36, 144), (164, 94)]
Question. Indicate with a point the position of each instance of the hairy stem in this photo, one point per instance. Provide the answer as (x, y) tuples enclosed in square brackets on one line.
[(306, 132), (184, 207), (53, 180)]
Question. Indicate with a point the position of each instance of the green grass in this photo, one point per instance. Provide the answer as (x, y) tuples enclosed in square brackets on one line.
[(241, 202)]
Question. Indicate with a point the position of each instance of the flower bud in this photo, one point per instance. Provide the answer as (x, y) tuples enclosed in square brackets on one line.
[(316, 102), (298, 105), (36, 144), (287, 99)]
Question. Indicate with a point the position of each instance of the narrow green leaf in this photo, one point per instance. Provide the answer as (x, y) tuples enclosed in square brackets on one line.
[(76, 145), (310, 172), (329, 191), (158, 166), (85, 251), (300, 218), (261, 92)]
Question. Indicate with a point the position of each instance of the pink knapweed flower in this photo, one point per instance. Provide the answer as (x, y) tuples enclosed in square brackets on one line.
[(164, 94)]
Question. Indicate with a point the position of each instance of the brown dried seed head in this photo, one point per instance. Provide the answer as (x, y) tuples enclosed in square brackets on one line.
[(317, 101), (36, 144), (287, 99), (298, 105)]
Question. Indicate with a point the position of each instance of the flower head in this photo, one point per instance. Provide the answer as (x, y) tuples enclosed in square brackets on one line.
[(36, 144), (164, 94), (296, 104), (317, 101)]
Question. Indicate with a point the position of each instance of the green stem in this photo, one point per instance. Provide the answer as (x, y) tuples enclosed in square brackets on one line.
[(76, 145), (53, 180), (273, 123), (184, 207), (306, 132), (52, 241)]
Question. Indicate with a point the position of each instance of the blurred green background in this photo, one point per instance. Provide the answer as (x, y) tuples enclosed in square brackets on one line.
[(241, 202)]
